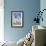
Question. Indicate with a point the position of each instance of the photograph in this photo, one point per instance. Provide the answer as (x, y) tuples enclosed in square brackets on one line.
[(16, 18)]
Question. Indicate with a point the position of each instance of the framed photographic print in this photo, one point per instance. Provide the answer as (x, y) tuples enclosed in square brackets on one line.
[(17, 18)]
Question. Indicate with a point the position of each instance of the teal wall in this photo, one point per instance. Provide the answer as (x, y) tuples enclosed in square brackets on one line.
[(30, 7), (43, 6)]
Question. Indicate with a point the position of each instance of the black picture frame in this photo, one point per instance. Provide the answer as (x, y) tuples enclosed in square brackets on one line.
[(17, 19)]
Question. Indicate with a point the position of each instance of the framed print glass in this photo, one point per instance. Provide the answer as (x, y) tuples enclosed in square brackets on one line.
[(17, 18)]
